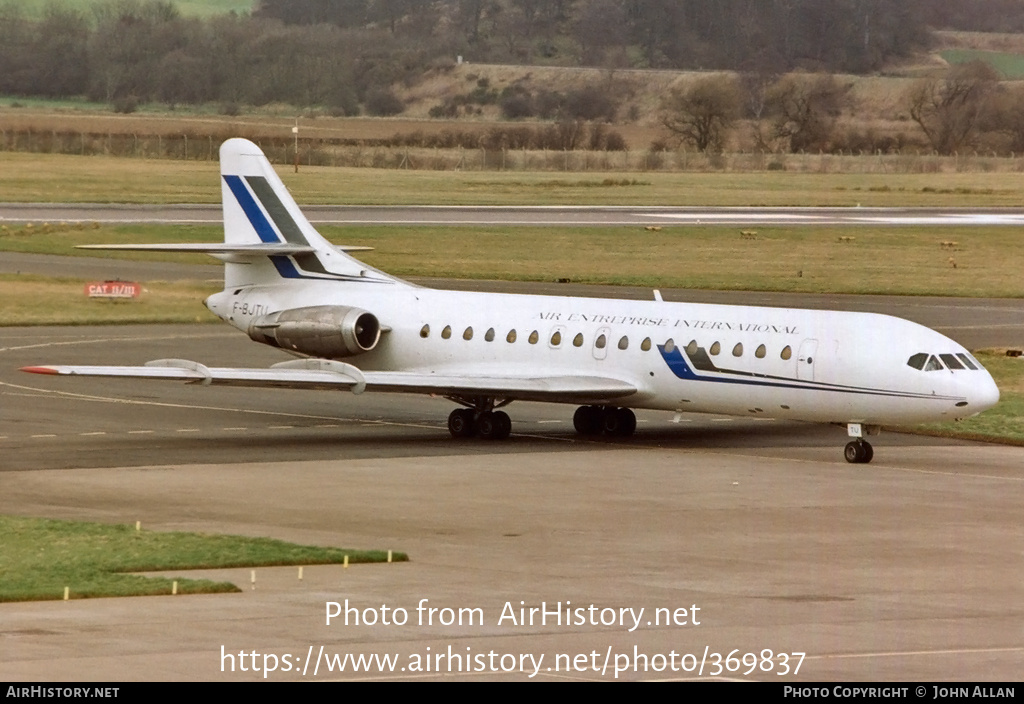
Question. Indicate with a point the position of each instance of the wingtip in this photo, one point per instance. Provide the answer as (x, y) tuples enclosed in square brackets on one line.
[(40, 370)]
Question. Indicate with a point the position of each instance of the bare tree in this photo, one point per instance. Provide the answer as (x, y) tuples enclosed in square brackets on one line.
[(703, 113), (949, 108), (804, 108)]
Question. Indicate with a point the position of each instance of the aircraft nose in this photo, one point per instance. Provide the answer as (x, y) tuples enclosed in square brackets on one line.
[(984, 393)]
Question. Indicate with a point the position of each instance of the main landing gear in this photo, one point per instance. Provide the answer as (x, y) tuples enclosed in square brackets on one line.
[(489, 425), (480, 419), (601, 420)]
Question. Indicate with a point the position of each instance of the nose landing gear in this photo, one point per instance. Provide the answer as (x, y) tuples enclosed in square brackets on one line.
[(859, 450)]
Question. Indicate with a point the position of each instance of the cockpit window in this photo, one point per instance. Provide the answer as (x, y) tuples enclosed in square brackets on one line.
[(933, 364), (951, 361), (967, 361), (918, 360)]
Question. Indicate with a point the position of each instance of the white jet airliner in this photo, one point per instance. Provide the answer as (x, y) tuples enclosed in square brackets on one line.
[(286, 286)]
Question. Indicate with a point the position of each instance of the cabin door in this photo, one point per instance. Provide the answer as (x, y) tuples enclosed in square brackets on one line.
[(805, 360)]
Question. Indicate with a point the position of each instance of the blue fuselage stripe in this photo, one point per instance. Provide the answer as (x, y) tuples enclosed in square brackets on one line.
[(682, 369)]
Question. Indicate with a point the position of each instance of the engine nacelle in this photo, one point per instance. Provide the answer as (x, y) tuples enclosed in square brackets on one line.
[(319, 331)]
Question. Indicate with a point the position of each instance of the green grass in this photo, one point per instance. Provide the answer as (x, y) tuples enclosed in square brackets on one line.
[(39, 300), (35, 178), (189, 8), (1010, 66), (878, 259), (62, 238), (41, 557)]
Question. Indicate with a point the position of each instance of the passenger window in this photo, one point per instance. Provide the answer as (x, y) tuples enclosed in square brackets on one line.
[(600, 342), (447, 332), (646, 344), (951, 361), (425, 331), (489, 335), (578, 340), (787, 352), (966, 360), (715, 348), (511, 336), (917, 361), (534, 336), (623, 343), (670, 345), (691, 349), (468, 335), (556, 339), (760, 352), (737, 351), (933, 364)]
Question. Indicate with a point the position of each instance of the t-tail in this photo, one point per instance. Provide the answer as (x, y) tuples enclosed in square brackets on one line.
[(266, 236), (260, 213)]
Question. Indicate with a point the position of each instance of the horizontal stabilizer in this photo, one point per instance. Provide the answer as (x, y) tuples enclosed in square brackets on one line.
[(223, 248)]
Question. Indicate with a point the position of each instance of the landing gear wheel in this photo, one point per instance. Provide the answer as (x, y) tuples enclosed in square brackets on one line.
[(858, 452), (461, 423), (494, 425), (504, 425), (627, 422), (599, 420), (587, 420)]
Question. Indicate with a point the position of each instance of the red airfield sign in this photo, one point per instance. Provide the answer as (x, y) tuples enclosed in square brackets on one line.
[(113, 289)]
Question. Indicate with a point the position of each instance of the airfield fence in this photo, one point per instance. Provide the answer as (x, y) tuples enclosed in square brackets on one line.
[(332, 152)]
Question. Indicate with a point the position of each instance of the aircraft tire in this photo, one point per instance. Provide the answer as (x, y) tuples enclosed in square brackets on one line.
[(858, 452), (504, 425), (494, 425), (587, 420), (627, 422), (461, 423)]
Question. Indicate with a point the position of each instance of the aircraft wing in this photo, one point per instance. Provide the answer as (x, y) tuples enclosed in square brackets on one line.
[(327, 374)]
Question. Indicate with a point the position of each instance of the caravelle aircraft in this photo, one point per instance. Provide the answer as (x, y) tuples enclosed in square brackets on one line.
[(286, 286)]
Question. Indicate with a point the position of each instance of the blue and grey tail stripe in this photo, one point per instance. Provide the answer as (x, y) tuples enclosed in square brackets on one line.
[(682, 369), (283, 229)]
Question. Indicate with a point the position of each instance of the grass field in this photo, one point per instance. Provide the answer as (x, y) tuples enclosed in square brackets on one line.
[(35, 178), (863, 259), (41, 557), (188, 8), (34, 300), (1008, 65)]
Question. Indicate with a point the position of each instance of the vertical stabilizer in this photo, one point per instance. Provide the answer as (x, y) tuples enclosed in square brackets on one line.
[(258, 209)]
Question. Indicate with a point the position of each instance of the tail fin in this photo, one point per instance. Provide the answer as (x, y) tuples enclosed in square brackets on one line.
[(266, 236), (257, 206), (259, 210)]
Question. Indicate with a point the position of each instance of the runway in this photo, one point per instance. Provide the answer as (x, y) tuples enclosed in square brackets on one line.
[(905, 569), (526, 215)]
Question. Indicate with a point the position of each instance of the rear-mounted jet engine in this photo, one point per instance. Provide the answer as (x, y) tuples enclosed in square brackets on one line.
[(319, 331)]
